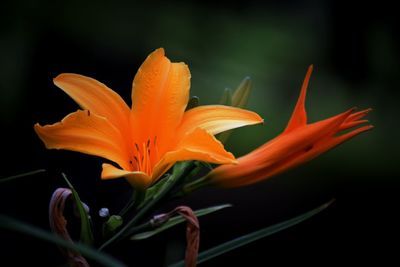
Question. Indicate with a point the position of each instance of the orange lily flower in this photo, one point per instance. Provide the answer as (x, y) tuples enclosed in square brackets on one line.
[(146, 140), (299, 143)]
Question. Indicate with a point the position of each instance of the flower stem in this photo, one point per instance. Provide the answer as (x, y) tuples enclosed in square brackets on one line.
[(128, 206), (134, 202), (183, 169), (195, 185)]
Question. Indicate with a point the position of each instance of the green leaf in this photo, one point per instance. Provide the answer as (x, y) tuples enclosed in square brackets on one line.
[(246, 239), (11, 178), (177, 220), (90, 253), (86, 227), (179, 171), (154, 190)]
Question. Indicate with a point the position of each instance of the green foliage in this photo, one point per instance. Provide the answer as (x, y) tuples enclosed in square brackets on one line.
[(12, 224), (86, 236), (246, 239), (179, 172), (177, 220)]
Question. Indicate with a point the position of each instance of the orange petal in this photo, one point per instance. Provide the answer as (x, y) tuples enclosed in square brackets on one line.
[(278, 154), (160, 93), (358, 115), (289, 143), (198, 145), (85, 132), (96, 97), (137, 179), (217, 118), (354, 119), (285, 152), (299, 115), (317, 149)]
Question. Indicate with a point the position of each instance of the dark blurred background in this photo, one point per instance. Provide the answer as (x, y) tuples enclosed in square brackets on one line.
[(355, 52)]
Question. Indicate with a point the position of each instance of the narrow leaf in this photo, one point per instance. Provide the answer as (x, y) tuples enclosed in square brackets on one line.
[(246, 239), (86, 228), (18, 226), (177, 220), (7, 179)]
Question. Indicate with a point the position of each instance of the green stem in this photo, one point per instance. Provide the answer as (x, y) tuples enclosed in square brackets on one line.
[(134, 202), (140, 228), (195, 185), (175, 177), (128, 206)]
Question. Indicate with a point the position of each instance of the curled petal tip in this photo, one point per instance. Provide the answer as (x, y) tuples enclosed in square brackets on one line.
[(365, 111), (349, 112), (358, 115), (355, 132), (364, 128), (160, 50), (56, 79), (361, 130), (60, 77)]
